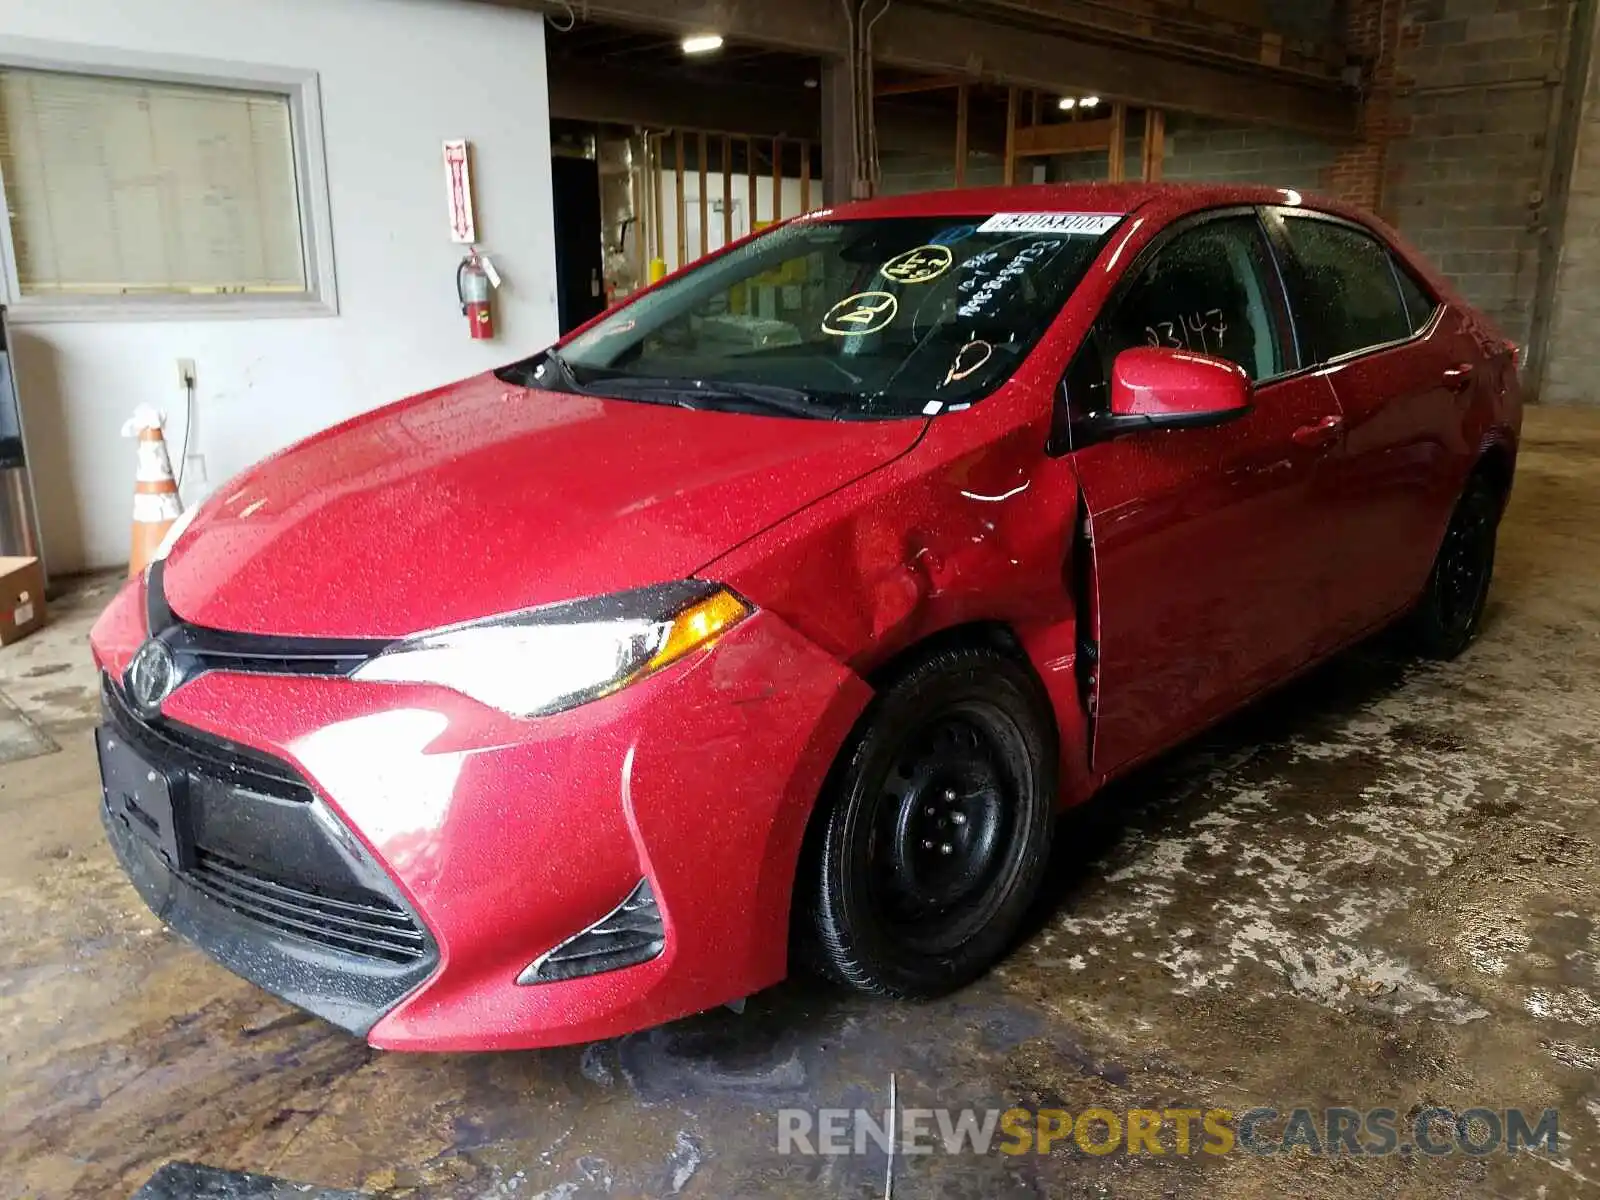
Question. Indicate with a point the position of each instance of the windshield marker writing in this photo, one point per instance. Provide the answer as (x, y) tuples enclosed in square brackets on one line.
[(921, 265), (865, 312), (968, 359)]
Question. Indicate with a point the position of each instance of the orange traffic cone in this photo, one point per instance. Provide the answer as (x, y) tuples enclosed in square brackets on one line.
[(155, 492)]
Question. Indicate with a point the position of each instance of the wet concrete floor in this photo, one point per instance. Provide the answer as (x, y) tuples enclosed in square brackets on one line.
[(1378, 889)]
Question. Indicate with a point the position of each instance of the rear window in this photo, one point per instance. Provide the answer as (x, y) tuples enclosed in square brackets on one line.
[(1345, 290)]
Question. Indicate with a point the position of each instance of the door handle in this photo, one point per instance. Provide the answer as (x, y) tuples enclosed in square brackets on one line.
[(1320, 434), (1459, 378)]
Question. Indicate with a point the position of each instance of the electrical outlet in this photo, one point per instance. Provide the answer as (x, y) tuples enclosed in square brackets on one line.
[(186, 373), (196, 470)]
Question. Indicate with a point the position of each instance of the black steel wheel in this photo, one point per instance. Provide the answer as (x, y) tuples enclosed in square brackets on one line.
[(936, 828), (1451, 611)]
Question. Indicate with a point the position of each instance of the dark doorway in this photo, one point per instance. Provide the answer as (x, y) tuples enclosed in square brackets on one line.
[(580, 265)]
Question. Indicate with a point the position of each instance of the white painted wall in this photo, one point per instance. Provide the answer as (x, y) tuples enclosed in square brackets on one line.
[(741, 208), (397, 78)]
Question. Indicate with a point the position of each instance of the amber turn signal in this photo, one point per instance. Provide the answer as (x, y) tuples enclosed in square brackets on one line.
[(699, 625)]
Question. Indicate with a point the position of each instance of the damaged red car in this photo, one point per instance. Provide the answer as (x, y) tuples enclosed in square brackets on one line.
[(771, 619)]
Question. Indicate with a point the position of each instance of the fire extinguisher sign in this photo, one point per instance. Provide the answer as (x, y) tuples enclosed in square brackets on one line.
[(458, 182)]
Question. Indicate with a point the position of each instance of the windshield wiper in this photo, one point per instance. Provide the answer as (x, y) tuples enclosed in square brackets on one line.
[(793, 402), (569, 377), (530, 373)]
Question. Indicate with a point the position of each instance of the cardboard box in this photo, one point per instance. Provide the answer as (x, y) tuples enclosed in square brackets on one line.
[(21, 598)]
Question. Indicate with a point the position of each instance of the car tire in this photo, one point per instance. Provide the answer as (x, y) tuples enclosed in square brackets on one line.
[(1451, 612), (935, 829)]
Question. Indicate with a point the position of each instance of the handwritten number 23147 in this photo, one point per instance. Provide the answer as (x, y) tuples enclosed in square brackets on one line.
[(1195, 331)]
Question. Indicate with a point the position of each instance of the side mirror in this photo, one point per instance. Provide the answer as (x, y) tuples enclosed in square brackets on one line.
[(1174, 389)]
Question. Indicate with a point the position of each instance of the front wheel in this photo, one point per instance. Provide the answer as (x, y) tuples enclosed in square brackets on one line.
[(1451, 611), (936, 828)]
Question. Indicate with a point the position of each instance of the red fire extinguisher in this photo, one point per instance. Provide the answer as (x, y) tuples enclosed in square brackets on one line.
[(474, 286)]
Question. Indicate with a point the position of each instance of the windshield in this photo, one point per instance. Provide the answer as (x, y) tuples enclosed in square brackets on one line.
[(892, 317)]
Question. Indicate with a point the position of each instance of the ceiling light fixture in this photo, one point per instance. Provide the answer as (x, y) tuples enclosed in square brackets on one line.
[(1068, 103), (1089, 102), (702, 43)]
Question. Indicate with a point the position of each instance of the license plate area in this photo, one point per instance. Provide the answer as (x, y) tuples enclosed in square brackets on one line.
[(148, 800)]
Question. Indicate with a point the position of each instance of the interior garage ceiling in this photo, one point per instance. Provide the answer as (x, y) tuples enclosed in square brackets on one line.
[(1199, 63), (617, 76)]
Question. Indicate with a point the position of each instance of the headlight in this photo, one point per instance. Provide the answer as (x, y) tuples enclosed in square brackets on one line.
[(553, 658)]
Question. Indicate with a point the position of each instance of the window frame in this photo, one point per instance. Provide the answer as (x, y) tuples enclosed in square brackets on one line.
[(302, 91), (1404, 274), (1065, 435), (1276, 218)]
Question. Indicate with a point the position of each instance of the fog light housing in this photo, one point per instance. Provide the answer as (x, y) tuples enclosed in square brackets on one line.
[(630, 934)]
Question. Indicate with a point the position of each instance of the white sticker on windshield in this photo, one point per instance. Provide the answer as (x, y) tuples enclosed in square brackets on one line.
[(1066, 224)]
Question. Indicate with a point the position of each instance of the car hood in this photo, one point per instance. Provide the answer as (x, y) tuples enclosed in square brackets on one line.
[(482, 498)]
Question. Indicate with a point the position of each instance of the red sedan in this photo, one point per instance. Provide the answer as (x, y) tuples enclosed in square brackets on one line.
[(773, 617)]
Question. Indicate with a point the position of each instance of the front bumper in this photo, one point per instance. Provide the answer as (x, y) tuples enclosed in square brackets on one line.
[(501, 838), (278, 891)]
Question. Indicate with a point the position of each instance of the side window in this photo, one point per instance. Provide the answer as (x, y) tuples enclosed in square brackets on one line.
[(1420, 306), (1207, 290), (1345, 291)]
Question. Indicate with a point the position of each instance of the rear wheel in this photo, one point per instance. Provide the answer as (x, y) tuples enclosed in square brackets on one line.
[(937, 828), (1451, 611)]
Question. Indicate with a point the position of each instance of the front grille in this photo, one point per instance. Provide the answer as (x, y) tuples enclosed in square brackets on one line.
[(197, 753), (370, 926), (262, 847), (198, 649)]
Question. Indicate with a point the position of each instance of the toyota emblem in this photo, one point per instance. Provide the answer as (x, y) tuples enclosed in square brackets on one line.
[(152, 676)]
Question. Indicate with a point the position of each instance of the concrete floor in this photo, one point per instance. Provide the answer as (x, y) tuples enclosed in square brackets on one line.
[(1377, 889)]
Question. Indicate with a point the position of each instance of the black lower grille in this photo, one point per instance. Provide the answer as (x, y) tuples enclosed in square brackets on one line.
[(198, 753), (263, 850), (370, 926)]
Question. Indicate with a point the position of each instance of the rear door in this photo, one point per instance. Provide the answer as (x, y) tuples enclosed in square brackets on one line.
[(1208, 552), (1402, 369)]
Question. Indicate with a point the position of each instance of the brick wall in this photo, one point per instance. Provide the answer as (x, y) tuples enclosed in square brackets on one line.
[(1572, 361), (1200, 150), (903, 173), (1475, 92), (1371, 37), (1454, 149)]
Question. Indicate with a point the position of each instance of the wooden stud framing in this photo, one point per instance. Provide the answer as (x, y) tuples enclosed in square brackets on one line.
[(705, 201), (727, 190), (683, 216), (805, 176), (777, 179), (1155, 144), (1066, 137), (750, 183), (1011, 136), (658, 198), (1117, 167), (963, 104)]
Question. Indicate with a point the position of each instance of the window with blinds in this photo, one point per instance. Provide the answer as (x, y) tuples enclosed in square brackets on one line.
[(124, 187)]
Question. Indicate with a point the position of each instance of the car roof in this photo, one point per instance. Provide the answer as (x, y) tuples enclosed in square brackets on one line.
[(1174, 199), (1158, 202)]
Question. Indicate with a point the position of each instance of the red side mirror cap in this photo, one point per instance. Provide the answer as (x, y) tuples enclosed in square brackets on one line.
[(1177, 387)]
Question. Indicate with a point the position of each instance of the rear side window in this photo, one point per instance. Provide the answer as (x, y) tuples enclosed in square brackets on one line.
[(1420, 306), (1345, 289)]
